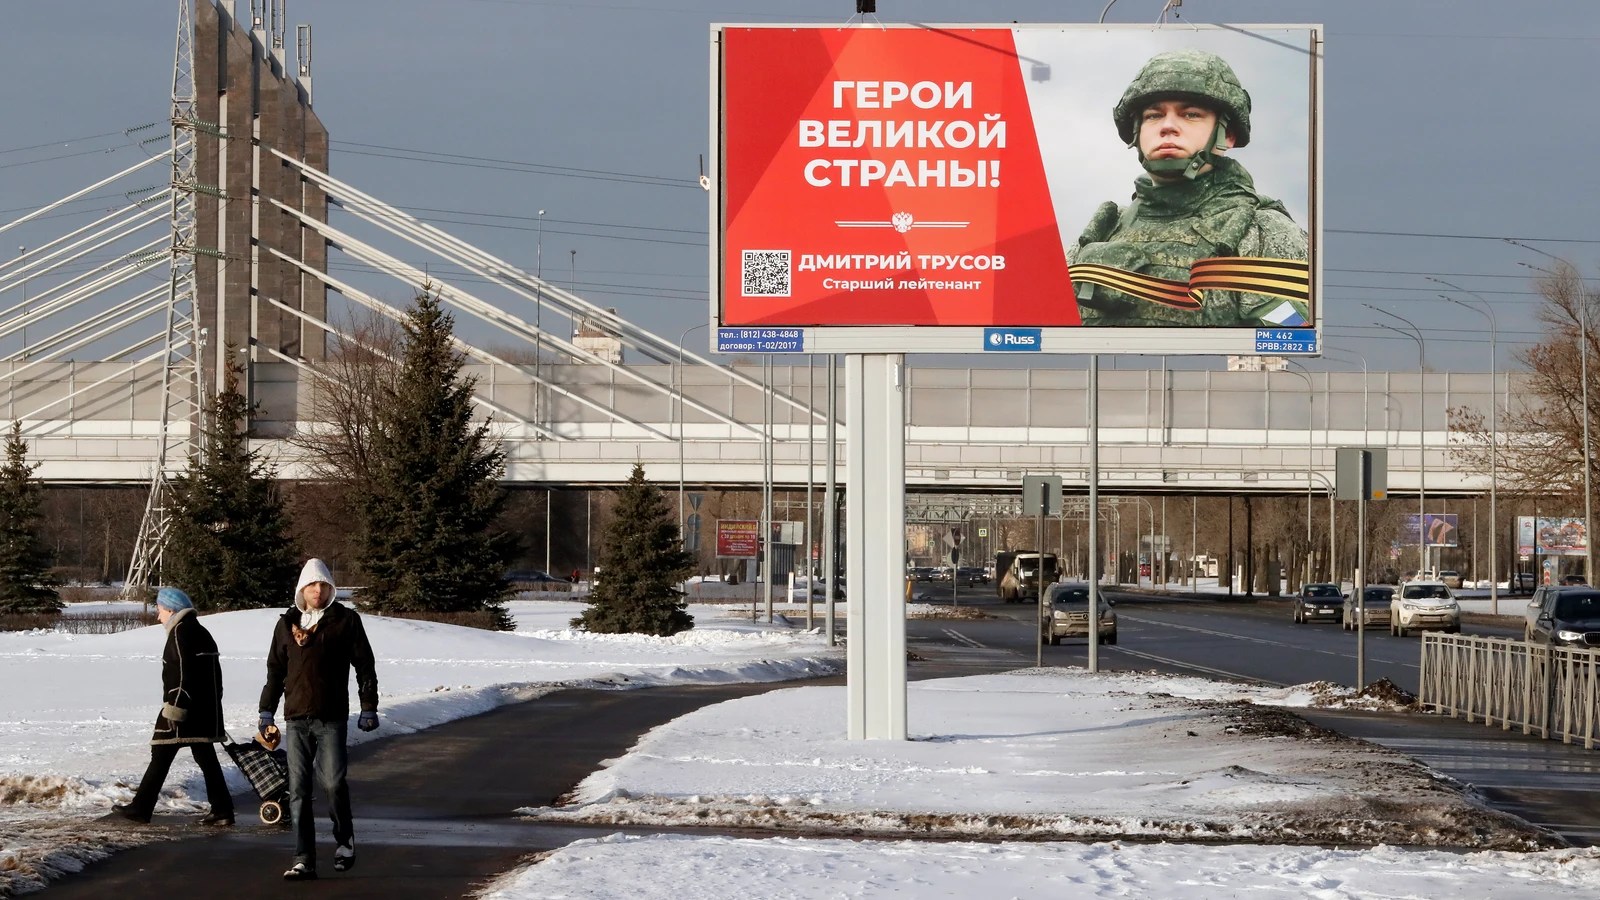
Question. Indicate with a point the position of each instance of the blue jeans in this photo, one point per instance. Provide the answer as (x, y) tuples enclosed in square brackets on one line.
[(320, 742)]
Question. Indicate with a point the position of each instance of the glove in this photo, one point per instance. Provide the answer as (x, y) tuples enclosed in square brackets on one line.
[(266, 722), (367, 721)]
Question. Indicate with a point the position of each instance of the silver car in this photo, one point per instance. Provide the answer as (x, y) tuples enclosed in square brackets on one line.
[(1376, 607), (1068, 615)]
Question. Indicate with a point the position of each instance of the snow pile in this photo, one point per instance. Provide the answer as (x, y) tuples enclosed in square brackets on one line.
[(926, 611), (660, 867), (1042, 753), (35, 850)]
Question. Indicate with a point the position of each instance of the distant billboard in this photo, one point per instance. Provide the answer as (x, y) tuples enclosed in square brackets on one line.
[(738, 538), (1551, 536), (966, 189), (1442, 530)]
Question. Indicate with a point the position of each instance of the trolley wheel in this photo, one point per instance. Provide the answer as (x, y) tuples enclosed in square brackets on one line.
[(271, 812)]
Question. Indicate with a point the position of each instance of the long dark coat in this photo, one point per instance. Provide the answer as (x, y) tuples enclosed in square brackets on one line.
[(191, 684)]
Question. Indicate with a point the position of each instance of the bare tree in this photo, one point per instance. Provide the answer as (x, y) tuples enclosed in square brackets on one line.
[(1547, 456), (340, 408), (361, 364)]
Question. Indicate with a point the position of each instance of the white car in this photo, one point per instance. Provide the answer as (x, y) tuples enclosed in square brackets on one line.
[(1420, 605)]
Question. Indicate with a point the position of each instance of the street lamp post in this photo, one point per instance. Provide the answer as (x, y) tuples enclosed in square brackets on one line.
[(1365, 385), (1137, 538), (677, 401), (1310, 399), (1422, 434), (22, 252), (1583, 377), (538, 313), (1494, 436)]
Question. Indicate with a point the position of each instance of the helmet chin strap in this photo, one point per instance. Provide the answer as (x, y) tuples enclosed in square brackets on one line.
[(1189, 168)]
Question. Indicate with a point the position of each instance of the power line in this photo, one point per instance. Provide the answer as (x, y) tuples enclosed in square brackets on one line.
[(90, 137), (1464, 237), (511, 165), (468, 212), (45, 159)]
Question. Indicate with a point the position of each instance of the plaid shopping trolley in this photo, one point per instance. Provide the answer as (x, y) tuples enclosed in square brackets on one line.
[(267, 772)]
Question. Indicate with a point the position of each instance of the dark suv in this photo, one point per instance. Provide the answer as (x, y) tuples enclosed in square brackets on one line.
[(1564, 616)]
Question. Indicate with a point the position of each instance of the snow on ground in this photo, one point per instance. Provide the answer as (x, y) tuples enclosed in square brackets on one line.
[(1040, 754), (1046, 753), (76, 716), (1043, 753), (662, 867)]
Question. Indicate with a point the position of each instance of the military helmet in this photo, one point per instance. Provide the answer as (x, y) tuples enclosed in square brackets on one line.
[(1190, 73)]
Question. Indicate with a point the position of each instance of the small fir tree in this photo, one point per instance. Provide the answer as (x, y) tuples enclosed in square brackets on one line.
[(26, 585), (641, 566), (228, 540), (432, 493)]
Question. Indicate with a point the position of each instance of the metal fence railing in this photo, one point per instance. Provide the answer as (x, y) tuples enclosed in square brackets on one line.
[(1544, 690)]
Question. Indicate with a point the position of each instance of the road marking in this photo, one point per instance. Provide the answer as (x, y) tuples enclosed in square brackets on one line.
[(1241, 637), (1199, 668), (961, 638)]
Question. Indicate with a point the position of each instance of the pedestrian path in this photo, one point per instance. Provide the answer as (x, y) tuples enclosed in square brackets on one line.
[(432, 809), (1548, 783)]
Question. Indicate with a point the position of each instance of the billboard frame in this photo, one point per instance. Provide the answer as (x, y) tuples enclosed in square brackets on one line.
[(1116, 340), (740, 541)]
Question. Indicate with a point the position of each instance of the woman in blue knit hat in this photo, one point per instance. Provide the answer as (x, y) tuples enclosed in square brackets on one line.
[(191, 711)]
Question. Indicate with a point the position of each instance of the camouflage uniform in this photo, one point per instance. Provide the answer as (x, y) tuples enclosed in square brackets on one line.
[(1172, 223)]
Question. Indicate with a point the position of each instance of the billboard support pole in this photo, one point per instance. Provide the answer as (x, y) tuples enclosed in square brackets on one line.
[(1361, 569), (830, 521), (766, 481), (1044, 628), (1094, 514), (875, 651)]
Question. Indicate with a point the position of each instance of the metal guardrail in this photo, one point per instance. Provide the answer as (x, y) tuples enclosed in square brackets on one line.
[(1549, 691)]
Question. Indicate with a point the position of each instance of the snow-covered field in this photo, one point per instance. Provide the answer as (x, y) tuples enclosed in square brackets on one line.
[(1036, 754)]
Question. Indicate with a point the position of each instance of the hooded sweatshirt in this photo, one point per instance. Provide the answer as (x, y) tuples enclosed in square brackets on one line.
[(315, 570), (312, 654)]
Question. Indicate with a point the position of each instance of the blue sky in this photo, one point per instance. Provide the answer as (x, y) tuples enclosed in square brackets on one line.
[(1450, 125)]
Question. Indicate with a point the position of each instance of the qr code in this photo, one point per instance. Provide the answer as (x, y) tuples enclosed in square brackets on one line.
[(765, 273)]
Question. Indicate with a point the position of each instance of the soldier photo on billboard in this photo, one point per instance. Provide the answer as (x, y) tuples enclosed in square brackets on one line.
[(1135, 265)]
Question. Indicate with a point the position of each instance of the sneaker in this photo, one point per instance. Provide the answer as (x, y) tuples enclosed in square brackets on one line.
[(344, 857), (300, 872), (127, 811), (216, 820)]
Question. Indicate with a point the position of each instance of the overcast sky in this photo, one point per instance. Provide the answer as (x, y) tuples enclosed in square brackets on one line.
[(1450, 124)]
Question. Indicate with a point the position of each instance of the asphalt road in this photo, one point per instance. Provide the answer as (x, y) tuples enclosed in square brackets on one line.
[(1546, 782)]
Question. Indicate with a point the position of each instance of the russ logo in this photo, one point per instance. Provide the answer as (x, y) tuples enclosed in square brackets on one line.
[(1013, 340)]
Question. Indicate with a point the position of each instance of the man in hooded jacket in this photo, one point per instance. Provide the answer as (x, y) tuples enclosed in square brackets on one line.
[(314, 646)]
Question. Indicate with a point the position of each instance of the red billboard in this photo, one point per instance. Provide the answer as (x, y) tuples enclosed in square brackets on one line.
[(738, 538), (981, 177)]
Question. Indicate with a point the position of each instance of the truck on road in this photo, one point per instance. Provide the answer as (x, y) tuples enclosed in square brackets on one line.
[(1019, 574)]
